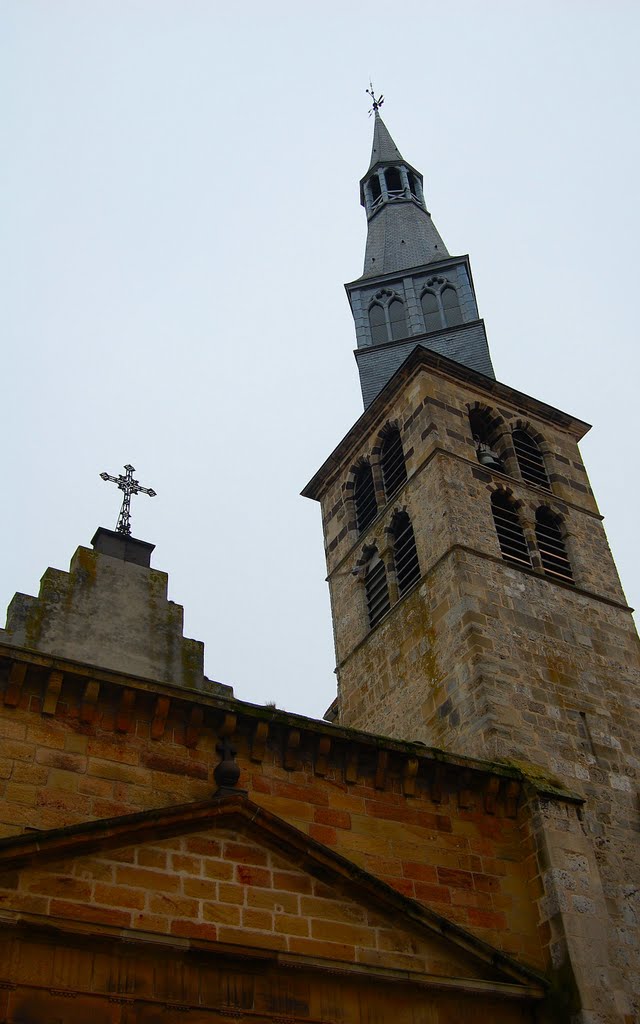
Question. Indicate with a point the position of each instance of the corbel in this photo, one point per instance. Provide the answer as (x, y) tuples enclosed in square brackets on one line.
[(160, 715), (259, 741), (351, 765), (512, 793), (322, 755), (229, 723), (89, 704), (292, 743), (124, 713), (52, 692), (194, 728), (382, 763), (490, 794), (465, 797), (409, 773), (435, 787), (17, 674)]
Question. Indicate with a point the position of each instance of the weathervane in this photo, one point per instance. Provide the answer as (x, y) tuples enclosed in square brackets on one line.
[(377, 103), (128, 486)]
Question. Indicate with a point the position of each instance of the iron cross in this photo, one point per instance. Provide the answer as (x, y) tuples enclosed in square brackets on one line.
[(128, 486)]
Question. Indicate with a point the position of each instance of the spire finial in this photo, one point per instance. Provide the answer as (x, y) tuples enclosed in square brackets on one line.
[(377, 103), (128, 486)]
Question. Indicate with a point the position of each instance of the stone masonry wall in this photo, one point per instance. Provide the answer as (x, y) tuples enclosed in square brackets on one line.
[(460, 852), (484, 657)]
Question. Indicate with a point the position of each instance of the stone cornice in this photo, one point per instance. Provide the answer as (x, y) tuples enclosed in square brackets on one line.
[(296, 738)]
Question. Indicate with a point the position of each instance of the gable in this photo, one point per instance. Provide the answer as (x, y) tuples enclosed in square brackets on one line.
[(223, 886), (227, 879)]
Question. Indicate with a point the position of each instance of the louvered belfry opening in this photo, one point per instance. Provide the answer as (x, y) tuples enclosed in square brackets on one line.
[(377, 590), (405, 555), (551, 546), (530, 459), (394, 469), (511, 538), (364, 496)]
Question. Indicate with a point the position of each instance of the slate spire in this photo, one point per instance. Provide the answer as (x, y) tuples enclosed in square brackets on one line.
[(383, 148), (412, 291), (401, 233)]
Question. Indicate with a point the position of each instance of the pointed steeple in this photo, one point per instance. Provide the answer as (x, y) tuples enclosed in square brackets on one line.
[(411, 292), (401, 233), (384, 149)]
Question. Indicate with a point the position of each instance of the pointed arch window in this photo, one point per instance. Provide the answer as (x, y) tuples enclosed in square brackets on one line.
[(378, 324), (387, 318), (431, 311), (530, 459), (511, 538), (394, 469), (397, 319), (451, 306), (550, 541), (405, 555), (376, 589), (364, 496)]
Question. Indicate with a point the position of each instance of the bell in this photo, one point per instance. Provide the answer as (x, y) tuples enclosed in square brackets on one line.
[(487, 457)]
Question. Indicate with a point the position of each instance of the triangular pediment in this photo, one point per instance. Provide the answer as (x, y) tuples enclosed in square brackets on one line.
[(229, 873)]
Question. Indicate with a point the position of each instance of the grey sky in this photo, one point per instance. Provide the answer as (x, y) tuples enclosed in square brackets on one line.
[(180, 207)]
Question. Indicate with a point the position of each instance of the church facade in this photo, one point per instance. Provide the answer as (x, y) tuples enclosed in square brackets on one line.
[(458, 839)]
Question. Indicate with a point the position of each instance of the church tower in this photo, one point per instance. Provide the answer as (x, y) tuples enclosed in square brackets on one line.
[(476, 605)]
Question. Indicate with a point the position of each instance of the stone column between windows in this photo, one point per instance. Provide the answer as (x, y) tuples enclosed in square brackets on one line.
[(383, 184), (386, 554), (404, 178), (412, 307)]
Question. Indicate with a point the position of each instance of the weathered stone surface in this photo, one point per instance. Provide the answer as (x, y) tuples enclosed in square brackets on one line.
[(492, 659), (111, 613)]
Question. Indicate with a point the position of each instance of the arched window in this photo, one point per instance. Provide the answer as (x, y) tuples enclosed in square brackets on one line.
[(364, 496), (375, 189), (394, 470), (511, 538), (378, 324), (431, 311), (483, 431), (451, 306), (553, 553), (397, 319), (393, 179), (376, 589), (405, 555), (530, 459)]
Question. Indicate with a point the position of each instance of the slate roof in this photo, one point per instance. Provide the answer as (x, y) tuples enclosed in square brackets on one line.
[(384, 148)]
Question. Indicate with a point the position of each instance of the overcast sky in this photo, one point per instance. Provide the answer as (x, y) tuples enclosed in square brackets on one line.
[(179, 193)]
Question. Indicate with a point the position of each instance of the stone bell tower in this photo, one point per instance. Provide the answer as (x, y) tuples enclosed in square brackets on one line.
[(476, 605)]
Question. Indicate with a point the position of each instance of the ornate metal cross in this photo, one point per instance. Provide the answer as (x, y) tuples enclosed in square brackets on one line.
[(128, 486), (377, 103)]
